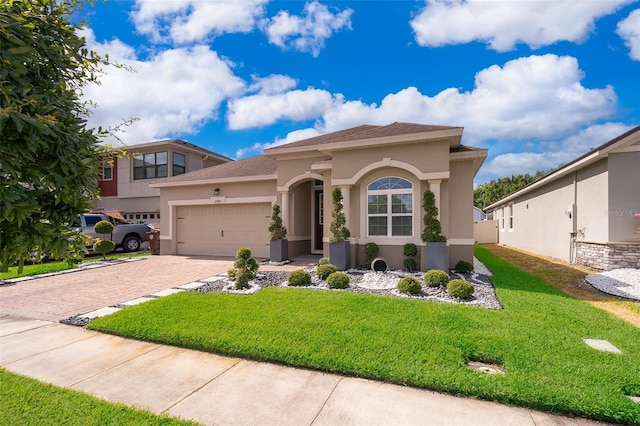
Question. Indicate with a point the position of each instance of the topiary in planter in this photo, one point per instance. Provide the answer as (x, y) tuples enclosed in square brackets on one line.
[(299, 278), (409, 285), (463, 267), (338, 225), (338, 280), (460, 289), (435, 278), (325, 270), (276, 228)]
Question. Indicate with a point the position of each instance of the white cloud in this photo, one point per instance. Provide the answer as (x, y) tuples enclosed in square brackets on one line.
[(527, 98), (504, 23), (264, 109), (553, 154), (184, 21), (294, 136), (173, 92), (629, 30), (306, 33), (273, 84)]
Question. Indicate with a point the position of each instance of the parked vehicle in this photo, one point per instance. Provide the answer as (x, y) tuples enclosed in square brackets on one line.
[(127, 236)]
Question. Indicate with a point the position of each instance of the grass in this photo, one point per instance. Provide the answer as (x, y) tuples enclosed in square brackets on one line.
[(49, 267), (25, 401), (537, 338), (570, 281)]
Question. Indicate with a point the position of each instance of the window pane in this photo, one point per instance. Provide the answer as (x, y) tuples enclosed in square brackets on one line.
[(390, 183), (161, 157), (107, 173), (162, 171), (401, 203), (401, 226), (138, 173), (149, 159), (377, 204), (179, 162), (138, 161), (378, 226), (150, 172)]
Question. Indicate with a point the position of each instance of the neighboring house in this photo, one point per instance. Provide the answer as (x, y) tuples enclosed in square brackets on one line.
[(478, 214), (124, 182), (583, 212), (383, 172)]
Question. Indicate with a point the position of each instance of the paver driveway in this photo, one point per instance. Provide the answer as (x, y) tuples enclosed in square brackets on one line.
[(58, 297)]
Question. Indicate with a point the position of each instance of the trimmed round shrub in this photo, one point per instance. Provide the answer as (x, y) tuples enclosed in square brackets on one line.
[(299, 278), (323, 260), (325, 270), (435, 278), (243, 253), (371, 250), (410, 265), (410, 249), (103, 246), (460, 288), (103, 227), (231, 273), (338, 280), (463, 267), (409, 285), (242, 279)]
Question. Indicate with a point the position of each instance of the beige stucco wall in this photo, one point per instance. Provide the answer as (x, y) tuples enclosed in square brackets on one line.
[(624, 196), (592, 202)]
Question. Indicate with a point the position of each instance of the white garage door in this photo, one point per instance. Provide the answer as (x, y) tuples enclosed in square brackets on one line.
[(221, 229)]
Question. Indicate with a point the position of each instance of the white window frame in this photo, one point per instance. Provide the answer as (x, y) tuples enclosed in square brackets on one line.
[(105, 166), (389, 214)]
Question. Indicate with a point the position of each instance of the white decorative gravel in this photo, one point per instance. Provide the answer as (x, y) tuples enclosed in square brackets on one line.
[(619, 282), (479, 268)]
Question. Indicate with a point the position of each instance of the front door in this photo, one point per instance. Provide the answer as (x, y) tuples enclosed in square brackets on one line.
[(318, 219)]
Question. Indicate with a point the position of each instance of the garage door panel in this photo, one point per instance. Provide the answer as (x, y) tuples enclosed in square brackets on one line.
[(221, 230)]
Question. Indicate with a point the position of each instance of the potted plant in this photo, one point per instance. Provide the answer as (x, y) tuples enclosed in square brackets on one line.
[(339, 247), (435, 242), (279, 245)]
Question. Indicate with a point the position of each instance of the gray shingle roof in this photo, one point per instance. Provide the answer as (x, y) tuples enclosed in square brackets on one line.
[(253, 166)]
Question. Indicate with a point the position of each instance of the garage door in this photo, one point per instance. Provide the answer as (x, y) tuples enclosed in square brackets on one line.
[(221, 229)]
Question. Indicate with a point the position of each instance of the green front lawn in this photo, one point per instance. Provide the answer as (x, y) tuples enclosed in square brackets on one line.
[(537, 338), (25, 401)]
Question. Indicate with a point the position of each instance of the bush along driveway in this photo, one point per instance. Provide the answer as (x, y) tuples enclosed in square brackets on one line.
[(537, 340)]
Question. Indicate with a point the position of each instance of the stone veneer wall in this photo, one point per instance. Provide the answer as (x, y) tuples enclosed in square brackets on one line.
[(607, 256)]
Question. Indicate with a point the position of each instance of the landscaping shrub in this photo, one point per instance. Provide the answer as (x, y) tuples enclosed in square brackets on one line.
[(463, 267), (244, 268), (410, 249), (409, 285), (103, 227), (103, 246), (460, 289), (323, 260), (410, 264), (338, 280), (299, 277), (325, 270), (435, 278), (371, 250)]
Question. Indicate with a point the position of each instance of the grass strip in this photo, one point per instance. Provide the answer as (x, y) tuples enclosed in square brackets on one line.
[(26, 401), (537, 338), (50, 267)]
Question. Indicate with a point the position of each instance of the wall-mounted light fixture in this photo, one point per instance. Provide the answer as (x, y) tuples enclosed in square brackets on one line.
[(216, 191)]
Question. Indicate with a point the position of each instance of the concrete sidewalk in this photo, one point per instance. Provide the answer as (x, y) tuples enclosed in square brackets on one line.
[(212, 389)]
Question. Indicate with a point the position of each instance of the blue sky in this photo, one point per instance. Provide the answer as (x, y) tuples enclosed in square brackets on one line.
[(538, 83)]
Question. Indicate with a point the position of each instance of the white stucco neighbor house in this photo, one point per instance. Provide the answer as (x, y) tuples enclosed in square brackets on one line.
[(586, 212)]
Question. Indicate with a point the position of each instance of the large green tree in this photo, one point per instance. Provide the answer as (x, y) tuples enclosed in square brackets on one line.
[(488, 193), (49, 159)]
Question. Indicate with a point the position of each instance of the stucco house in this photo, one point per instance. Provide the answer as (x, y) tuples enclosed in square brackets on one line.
[(382, 171), (584, 212), (124, 181)]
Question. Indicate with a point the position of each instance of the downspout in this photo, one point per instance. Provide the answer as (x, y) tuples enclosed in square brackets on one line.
[(573, 212), (203, 160)]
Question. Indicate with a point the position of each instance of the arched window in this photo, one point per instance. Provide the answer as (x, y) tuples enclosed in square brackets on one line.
[(390, 208)]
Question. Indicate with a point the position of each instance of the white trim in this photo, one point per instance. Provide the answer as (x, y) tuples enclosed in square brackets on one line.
[(460, 242), (387, 162), (213, 200), (212, 181), (632, 148)]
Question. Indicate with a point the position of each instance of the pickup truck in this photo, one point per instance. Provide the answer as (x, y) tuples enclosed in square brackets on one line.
[(129, 237)]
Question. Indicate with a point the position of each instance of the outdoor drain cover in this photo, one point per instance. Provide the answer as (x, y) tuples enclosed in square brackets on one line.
[(602, 345), (485, 368), (635, 399)]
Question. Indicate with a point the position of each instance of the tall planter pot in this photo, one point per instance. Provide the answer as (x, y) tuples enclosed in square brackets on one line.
[(279, 250), (436, 256), (340, 255)]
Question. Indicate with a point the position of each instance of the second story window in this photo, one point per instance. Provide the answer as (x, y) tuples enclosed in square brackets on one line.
[(179, 164), (107, 171), (149, 166)]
